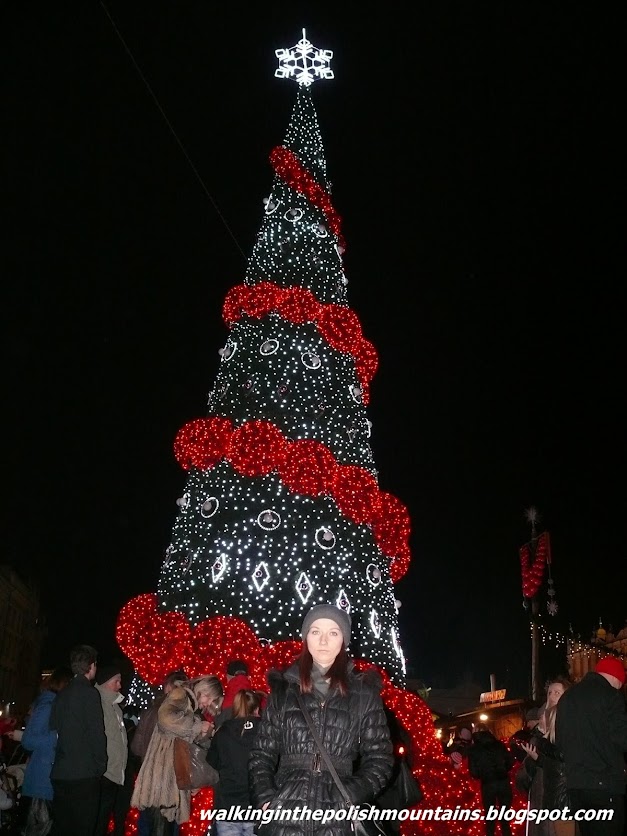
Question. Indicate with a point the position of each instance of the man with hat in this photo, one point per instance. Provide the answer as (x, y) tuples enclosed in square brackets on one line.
[(591, 732), (109, 685)]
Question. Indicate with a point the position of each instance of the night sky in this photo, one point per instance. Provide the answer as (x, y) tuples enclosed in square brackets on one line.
[(476, 165)]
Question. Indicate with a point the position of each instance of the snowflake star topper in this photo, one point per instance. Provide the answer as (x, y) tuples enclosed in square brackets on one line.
[(304, 62)]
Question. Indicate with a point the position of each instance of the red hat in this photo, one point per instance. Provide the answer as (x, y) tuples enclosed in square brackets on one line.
[(612, 666)]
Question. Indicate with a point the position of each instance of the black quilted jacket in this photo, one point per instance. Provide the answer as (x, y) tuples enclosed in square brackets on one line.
[(283, 768)]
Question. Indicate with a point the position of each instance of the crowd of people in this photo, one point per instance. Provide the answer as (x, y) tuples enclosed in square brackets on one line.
[(92, 757), (571, 753)]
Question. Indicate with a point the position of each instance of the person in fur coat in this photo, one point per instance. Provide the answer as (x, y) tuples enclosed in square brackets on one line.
[(156, 788), (286, 769)]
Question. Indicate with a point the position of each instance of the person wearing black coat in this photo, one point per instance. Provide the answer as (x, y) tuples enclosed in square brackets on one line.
[(229, 753), (490, 761), (285, 768), (591, 731), (81, 752), (547, 756)]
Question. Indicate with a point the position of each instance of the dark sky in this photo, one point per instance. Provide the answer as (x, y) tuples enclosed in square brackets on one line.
[(476, 162)]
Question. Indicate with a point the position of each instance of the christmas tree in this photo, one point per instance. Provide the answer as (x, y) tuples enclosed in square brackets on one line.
[(282, 508)]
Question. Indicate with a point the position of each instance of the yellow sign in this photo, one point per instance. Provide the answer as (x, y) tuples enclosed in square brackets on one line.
[(492, 696)]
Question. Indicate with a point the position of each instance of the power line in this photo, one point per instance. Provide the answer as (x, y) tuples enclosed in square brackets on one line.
[(172, 131)]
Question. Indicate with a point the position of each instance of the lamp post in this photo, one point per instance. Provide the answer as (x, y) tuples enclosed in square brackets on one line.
[(533, 518)]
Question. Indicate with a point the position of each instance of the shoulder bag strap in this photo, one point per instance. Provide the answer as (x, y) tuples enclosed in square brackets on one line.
[(321, 749)]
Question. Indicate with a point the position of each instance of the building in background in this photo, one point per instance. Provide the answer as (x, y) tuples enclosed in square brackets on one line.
[(583, 656), (21, 635)]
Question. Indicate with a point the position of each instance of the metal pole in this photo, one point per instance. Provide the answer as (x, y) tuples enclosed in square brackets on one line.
[(536, 683)]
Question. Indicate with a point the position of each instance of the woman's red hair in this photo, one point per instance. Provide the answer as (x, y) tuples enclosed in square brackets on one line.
[(337, 673)]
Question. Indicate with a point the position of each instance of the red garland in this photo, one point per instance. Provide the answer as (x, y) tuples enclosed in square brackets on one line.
[(532, 573), (201, 443), (289, 168), (356, 493), (309, 469), (256, 448), (339, 326)]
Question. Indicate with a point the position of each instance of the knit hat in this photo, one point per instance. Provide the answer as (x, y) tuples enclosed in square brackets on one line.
[(613, 666), (107, 672), (341, 618), (465, 734), (237, 666)]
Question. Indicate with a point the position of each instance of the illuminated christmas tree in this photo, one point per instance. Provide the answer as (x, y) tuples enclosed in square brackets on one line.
[(282, 508)]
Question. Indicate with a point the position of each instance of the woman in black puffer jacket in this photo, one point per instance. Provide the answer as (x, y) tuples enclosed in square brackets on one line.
[(285, 768)]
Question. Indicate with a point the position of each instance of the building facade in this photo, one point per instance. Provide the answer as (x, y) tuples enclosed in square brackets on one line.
[(583, 656), (21, 637)]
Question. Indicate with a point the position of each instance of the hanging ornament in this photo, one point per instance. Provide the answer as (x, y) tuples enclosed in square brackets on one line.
[(311, 360), (532, 573), (209, 507), (355, 392), (228, 351), (269, 520), (375, 623), (293, 215), (342, 602), (183, 501), (551, 604), (325, 538), (261, 576), (304, 587), (219, 568), (270, 205), (373, 574), (269, 347)]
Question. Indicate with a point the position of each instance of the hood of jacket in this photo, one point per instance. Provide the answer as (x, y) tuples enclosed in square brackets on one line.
[(236, 727), (107, 695), (371, 676)]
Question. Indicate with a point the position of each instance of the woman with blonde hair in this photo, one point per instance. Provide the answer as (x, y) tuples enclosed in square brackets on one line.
[(179, 716), (547, 757)]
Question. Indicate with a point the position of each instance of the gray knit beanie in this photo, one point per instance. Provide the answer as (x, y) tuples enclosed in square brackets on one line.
[(341, 618)]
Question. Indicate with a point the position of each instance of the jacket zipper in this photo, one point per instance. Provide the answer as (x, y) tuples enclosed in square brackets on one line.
[(317, 761)]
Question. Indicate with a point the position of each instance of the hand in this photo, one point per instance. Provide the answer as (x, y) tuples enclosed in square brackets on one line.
[(205, 727), (16, 735), (530, 750)]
